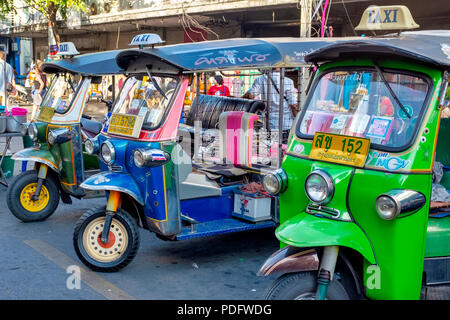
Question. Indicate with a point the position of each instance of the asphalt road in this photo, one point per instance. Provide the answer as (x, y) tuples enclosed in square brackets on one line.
[(35, 258)]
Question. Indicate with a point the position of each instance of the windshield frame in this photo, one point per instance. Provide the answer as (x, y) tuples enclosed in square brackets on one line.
[(166, 112), (75, 94), (376, 146)]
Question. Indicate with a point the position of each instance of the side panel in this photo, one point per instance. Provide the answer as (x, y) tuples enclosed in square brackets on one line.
[(400, 243)]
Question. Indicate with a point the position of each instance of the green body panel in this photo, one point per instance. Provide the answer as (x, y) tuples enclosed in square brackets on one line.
[(64, 152), (90, 161), (41, 155), (398, 245), (438, 238), (306, 230)]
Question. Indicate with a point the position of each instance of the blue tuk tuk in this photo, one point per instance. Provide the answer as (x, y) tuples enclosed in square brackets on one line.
[(154, 169)]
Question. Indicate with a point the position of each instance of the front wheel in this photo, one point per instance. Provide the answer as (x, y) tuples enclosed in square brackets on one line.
[(20, 202), (302, 286), (123, 240)]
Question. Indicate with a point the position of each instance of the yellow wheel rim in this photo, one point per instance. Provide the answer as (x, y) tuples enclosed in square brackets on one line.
[(117, 240), (28, 203)]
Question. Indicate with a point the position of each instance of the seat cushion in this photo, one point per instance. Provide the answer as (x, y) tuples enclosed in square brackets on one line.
[(210, 108)]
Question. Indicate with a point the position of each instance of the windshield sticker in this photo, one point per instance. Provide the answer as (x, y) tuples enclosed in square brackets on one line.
[(385, 161), (446, 49), (229, 57), (339, 122), (379, 127), (359, 123)]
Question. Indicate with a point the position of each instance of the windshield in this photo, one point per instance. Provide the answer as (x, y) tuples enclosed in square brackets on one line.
[(61, 92), (142, 97), (358, 103)]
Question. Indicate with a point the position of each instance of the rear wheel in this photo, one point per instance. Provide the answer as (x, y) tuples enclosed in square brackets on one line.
[(20, 202), (122, 245), (302, 286)]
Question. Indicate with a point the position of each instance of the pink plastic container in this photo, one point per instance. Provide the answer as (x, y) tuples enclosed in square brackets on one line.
[(15, 118)]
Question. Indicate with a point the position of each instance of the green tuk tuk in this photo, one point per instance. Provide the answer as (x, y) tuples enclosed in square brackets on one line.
[(359, 213), (58, 132)]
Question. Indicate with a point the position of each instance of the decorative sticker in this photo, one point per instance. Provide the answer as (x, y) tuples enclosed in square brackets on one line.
[(385, 161), (379, 127), (446, 49), (338, 122)]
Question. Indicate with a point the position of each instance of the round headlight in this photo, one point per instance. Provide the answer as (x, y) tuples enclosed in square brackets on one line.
[(386, 207), (139, 159), (271, 183), (275, 182), (32, 131), (91, 146), (107, 152), (319, 187)]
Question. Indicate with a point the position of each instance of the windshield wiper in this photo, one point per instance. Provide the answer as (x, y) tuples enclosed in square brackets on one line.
[(155, 83), (380, 72)]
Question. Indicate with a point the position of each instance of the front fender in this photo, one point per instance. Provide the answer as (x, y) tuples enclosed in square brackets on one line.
[(290, 259), (37, 155), (114, 181), (305, 230)]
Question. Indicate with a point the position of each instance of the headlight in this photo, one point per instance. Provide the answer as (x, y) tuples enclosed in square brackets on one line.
[(32, 131), (107, 152), (275, 182), (91, 146), (59, 136), (398, 201), (150, 157), (24, 128), (319, 187), (386, 207), (51, 137)]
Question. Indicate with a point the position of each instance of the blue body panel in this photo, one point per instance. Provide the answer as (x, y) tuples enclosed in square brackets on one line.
[(210, 208), (116, 181), (222, 226)]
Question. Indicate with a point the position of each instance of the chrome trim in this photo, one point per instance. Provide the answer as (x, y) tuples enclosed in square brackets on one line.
[(95, 145), (406, 201), (112, 150), (330, 185)]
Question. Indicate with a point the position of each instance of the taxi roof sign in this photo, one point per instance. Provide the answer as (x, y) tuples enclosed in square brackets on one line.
[(67, 49), (387, 18), (146, 39)]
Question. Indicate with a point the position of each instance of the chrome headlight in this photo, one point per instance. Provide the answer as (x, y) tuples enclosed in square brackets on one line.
[(91, 146), (24, 128), (319, 187), (150, 157), (275, 182), (59, 136), (32, 131), (395, 202), (107, 152)]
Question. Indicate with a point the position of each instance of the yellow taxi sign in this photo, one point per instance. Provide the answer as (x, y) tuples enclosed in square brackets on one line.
[(387, 18)]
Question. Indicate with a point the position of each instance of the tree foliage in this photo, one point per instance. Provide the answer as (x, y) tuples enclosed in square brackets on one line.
[(49, 8)]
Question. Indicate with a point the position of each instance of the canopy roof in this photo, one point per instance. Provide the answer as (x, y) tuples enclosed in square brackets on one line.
[(430, 47), (227, 54), (90, 64)]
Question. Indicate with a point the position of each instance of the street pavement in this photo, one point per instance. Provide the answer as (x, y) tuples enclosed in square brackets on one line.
[(35, 258)]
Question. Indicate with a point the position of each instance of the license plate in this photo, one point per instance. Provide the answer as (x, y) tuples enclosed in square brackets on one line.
[(125, 125), (336, 148), (46, 114)]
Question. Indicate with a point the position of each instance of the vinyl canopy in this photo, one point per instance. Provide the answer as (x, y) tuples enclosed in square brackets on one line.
[(429, 47), (230, 54), (89, 64)]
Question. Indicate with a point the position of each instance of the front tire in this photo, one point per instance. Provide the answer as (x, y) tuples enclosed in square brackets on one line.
[(122, 245), (20, 203), (302, 286)]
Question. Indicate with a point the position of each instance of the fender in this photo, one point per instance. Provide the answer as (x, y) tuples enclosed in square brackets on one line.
[(114, 181), (290, 259), (305, 230), (37, 155)]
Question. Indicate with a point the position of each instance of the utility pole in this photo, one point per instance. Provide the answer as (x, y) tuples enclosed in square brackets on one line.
[(305, 31)]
